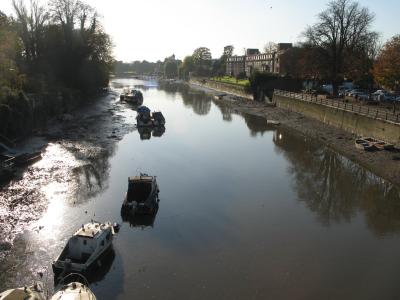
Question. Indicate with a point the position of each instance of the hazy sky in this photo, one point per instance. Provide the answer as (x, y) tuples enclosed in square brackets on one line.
[(154, 29)]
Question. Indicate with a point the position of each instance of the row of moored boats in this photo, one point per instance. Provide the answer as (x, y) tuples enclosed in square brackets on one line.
[(144, 118), (90, 242)]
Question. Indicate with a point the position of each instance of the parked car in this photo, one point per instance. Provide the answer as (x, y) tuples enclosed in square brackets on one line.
[(349, 92), (359, 93), (380, 92), (343, 91), (363, 96), (352, 93)]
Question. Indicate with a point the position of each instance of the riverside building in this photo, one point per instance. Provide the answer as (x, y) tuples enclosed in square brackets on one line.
[(256, 61)]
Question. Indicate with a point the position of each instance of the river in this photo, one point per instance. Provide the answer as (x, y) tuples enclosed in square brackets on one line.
[(247, 211)]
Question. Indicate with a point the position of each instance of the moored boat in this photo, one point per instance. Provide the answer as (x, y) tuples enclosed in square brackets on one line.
[(219, 96), (379, 144), (143, 118), (85, 248), (132, 96), (364, 145), (142, 196), (34, 292), (158, 119), (74, 290), (371, 144)]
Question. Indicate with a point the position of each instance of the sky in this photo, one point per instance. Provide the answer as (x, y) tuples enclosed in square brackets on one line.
[(154, 29)]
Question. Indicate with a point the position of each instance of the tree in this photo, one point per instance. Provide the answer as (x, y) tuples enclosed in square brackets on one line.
[(170, 69), (63, 45), (202, 61), (341, 35), (186, 67), (270, 47), (387, 66), (201, 54), (303, 62), (9, 48), (31, 27)]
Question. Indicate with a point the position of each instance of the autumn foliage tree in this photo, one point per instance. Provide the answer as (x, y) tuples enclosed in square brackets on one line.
[(387, 66)]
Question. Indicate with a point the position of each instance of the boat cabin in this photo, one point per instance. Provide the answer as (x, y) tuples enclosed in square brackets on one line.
[(139, 188), (142, 195), (85, 241)]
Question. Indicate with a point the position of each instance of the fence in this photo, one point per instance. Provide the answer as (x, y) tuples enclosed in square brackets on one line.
[(372, 112)]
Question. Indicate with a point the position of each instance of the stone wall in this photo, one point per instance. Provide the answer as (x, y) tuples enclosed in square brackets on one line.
[(346, 120)]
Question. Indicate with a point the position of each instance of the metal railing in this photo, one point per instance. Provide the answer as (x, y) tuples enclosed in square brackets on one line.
[(365, 110)]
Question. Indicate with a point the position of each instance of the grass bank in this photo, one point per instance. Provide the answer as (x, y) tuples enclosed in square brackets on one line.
[(232, 80)]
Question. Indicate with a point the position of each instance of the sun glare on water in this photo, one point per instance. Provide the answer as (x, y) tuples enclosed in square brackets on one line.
[(56, 189)]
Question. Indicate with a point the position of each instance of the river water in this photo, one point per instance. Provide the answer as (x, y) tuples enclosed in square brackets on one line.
[(247, 211)]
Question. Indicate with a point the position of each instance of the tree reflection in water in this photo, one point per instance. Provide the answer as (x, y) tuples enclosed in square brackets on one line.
[(335, 188), (332, 186), (257, 124), (226, 111), (199, 101)]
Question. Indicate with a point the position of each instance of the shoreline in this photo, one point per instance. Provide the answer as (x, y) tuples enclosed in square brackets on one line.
[(385, 164)]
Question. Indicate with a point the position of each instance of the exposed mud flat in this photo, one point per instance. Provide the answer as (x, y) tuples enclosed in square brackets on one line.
[(75, 152)]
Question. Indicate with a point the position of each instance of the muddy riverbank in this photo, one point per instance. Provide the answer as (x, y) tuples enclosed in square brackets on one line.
[(75, 149), (385, 164)]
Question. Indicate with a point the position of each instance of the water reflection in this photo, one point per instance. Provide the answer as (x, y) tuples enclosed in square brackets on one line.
[(335, 188), (199, 101), (257, 124), (140, 221), (147, 132)]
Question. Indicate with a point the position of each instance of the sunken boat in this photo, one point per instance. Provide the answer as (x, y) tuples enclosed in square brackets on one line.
[(85, 248), (141, 197)]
